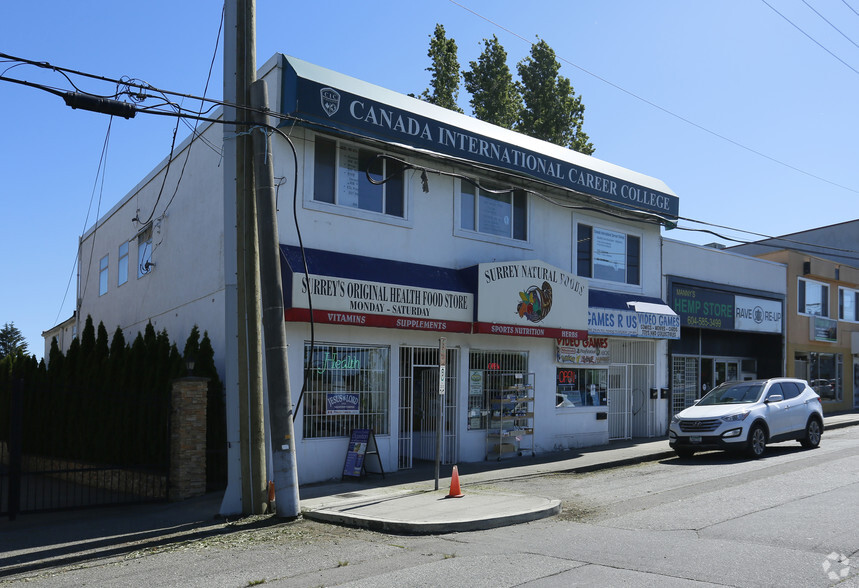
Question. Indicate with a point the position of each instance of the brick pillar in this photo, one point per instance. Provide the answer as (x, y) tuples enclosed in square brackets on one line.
[(188, 438)]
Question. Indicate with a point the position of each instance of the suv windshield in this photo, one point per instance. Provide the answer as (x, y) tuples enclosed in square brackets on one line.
[(735, 393)]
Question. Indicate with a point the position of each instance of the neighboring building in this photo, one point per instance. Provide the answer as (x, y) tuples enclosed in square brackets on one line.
[(822, 326), (417, 223), (63, 333), (822, 309), (731, 309), (839, 243)]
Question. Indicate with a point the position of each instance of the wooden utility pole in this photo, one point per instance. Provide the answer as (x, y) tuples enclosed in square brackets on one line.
[(251, 420), (274, 328)]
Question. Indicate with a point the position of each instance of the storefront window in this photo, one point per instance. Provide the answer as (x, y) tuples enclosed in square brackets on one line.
[(823, 371), (479, 364), (581, 387), (346, 388)]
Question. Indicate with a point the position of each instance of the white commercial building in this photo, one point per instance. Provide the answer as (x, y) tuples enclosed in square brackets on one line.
[(537, 268)]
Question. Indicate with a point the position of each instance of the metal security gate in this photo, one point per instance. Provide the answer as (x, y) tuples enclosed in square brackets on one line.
[(630, 378), (619, 407), (82, 450), (419, 406), (684, 382)]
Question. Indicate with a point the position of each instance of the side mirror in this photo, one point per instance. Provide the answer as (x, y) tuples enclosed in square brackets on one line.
[(774, 398)]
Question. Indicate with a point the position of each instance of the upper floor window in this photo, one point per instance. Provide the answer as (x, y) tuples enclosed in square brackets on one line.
[(102, 276), (608, 255), (848, 304), (812, 297), (340, 177), (500, 214), (122, 265), (144, 252)]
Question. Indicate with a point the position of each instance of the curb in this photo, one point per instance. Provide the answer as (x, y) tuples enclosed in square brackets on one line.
[(475, 511)]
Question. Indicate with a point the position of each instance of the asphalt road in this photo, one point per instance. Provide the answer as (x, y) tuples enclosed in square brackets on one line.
[(789, 519)]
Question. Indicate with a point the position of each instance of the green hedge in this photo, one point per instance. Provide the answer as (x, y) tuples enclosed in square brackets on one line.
[(109, 403)]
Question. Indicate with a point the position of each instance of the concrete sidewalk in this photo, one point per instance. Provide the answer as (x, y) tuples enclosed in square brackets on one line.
[(407, 502)]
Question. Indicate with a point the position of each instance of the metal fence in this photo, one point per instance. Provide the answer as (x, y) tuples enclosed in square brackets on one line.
[(51, 458)]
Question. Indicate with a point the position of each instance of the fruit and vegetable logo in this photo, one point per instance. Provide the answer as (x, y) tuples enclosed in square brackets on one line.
[(535, 303)]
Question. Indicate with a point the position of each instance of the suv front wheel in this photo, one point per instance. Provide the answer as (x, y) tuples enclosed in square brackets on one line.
[(757, 443)]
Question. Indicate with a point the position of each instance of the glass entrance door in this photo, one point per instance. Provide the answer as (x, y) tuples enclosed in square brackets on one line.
[(727, 371)]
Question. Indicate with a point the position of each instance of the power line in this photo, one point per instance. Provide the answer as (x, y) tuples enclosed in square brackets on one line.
[(850, 7), (827, 21), (661, 108), (179, 112), (815, 41)]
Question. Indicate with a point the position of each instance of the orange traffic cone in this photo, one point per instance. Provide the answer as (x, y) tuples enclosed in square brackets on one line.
[(272, 505), (454, 485)]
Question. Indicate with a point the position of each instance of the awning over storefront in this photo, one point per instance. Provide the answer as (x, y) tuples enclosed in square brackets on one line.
[(524, 298), (631, 315), (363, 291)]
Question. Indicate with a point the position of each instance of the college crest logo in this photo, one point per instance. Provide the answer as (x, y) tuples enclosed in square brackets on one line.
[(535, 303), (330, 100)]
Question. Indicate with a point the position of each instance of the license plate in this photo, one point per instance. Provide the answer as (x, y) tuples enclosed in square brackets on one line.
[(696, 439)]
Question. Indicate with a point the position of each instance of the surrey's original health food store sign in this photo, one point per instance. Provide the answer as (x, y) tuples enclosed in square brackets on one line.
[(335, 107), (374, 304), (530, 299)]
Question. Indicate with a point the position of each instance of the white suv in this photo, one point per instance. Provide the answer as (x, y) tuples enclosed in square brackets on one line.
[(745, 416)]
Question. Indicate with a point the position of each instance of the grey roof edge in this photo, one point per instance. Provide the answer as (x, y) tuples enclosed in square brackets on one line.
[(326, 76)]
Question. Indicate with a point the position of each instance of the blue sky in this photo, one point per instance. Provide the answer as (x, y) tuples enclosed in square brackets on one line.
[(751, 122)]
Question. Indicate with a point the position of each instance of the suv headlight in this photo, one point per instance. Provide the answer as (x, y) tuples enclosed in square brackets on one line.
[(734, 418)]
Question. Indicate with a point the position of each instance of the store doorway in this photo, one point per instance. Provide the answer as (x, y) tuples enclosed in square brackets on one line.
[(726, 371), (630, 377), (423, 411)]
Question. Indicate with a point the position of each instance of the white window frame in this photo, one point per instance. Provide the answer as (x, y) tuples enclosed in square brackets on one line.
[(476, 234), (803, 283), (122, 264), (351, 211), (843, 294), (103, 273), (626, 232)]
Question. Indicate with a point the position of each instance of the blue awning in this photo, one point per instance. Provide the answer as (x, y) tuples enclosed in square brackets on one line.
[(625, 301), (630, 315), (355, 290), (372, 269)]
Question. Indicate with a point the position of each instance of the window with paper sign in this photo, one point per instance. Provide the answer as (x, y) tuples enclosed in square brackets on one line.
[(577, 387)]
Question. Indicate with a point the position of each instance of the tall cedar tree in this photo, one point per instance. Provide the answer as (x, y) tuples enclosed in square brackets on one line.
[(495, 97), (445, 71), (553, 112), (11, 340)]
